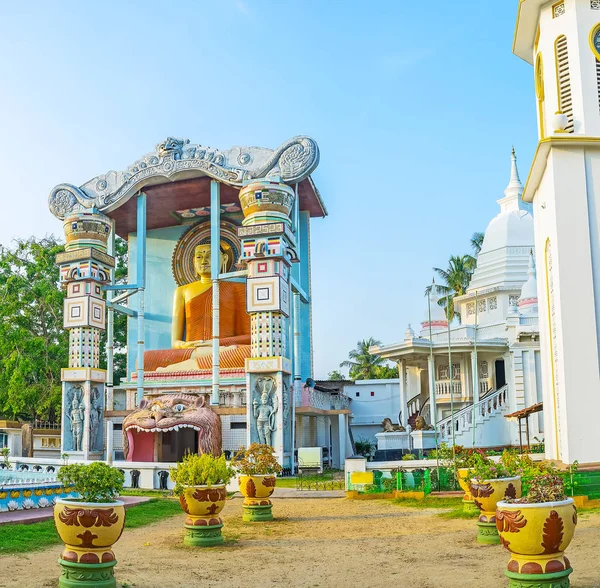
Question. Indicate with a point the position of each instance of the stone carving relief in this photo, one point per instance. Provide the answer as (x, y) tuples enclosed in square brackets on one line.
[(265, 409), (295, 160), (95, 419), (75, 413)]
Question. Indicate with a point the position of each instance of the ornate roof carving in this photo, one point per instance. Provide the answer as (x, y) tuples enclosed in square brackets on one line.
[(177, 158)]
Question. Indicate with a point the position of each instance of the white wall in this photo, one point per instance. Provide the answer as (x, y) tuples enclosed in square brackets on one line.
[(369, 410)]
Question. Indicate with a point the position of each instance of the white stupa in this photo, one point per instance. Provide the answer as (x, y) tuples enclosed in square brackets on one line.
[(504, 256)]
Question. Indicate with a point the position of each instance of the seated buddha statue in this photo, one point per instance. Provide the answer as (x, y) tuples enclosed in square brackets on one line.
[(191, 332)]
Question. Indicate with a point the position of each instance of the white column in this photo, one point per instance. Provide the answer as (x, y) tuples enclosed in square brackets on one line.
[(109, 442), (431, 372), (403, 407), (475, 370), (342, 438)]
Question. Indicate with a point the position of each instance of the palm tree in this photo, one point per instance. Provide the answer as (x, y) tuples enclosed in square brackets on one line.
[(456, 281), (363, 365), (477, 242)]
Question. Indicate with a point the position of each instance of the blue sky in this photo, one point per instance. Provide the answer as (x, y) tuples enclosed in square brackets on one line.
[(415, 106)]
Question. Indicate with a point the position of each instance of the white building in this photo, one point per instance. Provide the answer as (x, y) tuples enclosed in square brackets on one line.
[(372, 401), (494, 350), (562, 41)]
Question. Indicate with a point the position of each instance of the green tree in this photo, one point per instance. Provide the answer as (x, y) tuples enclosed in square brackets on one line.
[(385, 372), (33, 343), (362, 364), (335, 375), (477, 242), (456, 277)]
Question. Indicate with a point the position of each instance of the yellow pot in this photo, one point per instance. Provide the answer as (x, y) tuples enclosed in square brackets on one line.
[(487, 494), (464, 480), (89, 529), (257, 489), (537, 535), (203, 502)]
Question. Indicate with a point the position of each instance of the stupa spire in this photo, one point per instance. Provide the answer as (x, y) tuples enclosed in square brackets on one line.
[(514, 190)]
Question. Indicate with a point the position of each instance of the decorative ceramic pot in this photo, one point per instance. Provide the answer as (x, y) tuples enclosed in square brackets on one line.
[(88, 530), (202, 504), (536, 536), (256, 491), (486, 494), (464, 481)]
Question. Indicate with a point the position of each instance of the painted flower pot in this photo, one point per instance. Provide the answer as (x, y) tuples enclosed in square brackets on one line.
[(536, 536), (464, 481), (486, 495), (88, 530), (202, 504), (256, 491)]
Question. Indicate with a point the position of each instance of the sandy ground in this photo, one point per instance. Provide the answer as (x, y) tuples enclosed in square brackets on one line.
[(315, 542)]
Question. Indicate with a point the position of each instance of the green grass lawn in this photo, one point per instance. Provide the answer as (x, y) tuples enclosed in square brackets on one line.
[(20, 538), (429, 502)]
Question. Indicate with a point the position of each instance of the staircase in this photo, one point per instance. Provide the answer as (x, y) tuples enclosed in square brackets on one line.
[(414, 409), (489, 421)]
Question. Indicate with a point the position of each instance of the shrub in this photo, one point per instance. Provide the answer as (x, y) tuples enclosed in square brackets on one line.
[(545, 487), (201, 470), (94, 482), (408, 457), (258, 459)]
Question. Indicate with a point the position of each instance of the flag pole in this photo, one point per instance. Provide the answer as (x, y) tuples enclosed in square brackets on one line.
[(451, 379), (432, 403), (475, 369)]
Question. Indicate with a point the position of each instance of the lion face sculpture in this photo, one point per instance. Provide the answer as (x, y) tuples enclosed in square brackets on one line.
[(171, 412)]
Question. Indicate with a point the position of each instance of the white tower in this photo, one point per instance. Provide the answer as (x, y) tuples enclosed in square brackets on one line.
[(562, 41)]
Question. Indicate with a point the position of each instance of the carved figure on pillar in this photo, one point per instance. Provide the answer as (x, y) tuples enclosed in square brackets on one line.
[(77, 418), (265, 410)]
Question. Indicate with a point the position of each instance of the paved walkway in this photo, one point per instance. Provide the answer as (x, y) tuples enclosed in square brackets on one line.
[(35, 515), (293, 493)]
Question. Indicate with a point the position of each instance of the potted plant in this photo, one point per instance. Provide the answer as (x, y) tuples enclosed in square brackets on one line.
[(464, 461), (257, 467), (537, 529), (200, 483), (490, 483), (89, 525)]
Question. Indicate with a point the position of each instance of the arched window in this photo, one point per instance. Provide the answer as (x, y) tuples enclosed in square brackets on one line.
[(563, 81), (539, 91)]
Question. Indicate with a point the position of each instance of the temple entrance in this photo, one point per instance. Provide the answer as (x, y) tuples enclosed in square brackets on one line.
[(175, 444), (500, 374)]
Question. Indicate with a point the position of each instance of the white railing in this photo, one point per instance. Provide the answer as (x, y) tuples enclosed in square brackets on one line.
[(323, 400), (464, 417), (484, 387), (448, 388), (414, 405)]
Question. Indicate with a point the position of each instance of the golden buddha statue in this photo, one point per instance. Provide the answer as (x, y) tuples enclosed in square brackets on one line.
[(191, 332)]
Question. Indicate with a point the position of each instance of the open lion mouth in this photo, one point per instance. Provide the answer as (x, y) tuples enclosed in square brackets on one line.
[(162, 429)]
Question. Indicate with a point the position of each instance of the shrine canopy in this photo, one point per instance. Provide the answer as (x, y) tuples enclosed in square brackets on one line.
[(176, 178)]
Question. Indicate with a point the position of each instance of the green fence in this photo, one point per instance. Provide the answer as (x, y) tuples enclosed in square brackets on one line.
[(401, 481)]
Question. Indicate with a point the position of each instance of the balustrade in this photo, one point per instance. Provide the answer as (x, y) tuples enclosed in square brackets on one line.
[(448, 388)]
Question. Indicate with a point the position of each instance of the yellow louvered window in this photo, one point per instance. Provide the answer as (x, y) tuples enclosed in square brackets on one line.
[(565, 99)]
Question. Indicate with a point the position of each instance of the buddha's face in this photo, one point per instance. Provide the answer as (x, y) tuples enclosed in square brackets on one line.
[(202, 260)]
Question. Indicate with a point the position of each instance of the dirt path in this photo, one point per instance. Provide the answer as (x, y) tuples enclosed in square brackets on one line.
[(313, 543)]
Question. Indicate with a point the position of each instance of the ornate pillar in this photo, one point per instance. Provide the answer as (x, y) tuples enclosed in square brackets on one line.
[(84, 267), (268, 245)]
